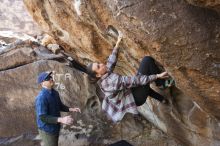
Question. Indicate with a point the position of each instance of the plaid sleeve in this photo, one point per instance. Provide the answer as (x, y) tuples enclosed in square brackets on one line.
[(134, 81), (112, 59)]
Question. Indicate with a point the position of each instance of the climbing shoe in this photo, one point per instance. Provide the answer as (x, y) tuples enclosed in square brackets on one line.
[(167, 84)]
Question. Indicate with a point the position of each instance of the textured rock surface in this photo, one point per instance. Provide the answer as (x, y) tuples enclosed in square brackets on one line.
[(182, 37), (214, 4), (15, 18), (21, 62)]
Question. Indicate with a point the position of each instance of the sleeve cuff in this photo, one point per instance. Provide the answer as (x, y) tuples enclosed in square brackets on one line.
[(152, 78)]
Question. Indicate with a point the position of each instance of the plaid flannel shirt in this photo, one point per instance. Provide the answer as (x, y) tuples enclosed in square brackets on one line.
[(118, 99)]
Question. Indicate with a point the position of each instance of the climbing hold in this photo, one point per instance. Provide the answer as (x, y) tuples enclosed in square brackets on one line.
[(112, 31)]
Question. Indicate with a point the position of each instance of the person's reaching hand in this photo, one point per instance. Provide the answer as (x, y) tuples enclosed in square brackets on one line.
[(120, 37), (75, 110), (163, 75)]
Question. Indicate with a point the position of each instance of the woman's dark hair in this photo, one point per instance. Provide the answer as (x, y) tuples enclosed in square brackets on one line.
[(91, 73)]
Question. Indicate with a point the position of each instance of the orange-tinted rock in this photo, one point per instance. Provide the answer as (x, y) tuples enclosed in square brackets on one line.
[(214, 4), (182, 37)]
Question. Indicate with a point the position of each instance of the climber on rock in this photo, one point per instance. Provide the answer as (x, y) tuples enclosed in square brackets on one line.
[(48, 106), (122, 94)]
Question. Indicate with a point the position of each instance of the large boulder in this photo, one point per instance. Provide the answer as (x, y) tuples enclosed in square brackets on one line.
[(21, 62), (185, 39)]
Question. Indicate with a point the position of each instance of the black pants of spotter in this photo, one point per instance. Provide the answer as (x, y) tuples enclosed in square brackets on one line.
[(140, 93)]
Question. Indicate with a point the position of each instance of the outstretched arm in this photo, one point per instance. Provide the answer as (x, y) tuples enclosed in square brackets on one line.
[(112, 59), (134, 81), (63, 107)]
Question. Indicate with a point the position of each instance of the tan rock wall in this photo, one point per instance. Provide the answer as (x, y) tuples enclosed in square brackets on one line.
[(182, 37)]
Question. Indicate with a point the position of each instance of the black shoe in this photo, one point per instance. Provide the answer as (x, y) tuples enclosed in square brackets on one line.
[(167, 84)]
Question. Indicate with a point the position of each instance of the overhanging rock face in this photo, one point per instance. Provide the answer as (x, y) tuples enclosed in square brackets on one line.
[(21, 62), (185, 39)]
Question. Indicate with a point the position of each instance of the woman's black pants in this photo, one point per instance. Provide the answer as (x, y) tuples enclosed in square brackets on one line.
[(140, 93)]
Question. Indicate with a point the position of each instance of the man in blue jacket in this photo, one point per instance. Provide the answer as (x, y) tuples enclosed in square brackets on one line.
[(48, 106)]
